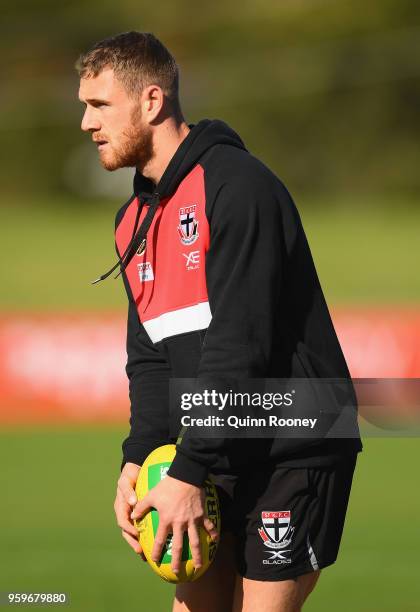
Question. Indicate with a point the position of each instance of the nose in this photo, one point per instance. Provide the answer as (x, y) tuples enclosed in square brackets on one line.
[(90, 123)]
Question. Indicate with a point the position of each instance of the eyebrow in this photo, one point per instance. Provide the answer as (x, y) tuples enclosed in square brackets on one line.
[(94, 101)]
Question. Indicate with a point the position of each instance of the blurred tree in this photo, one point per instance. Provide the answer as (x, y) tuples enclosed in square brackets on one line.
[(326, 92)]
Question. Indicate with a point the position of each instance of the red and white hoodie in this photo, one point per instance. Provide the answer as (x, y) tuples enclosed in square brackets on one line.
[(223, 286)]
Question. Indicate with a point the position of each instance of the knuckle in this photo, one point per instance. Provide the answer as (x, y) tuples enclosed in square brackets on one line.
[(178, 524), (123, 484), (176, 547), (160, 541)]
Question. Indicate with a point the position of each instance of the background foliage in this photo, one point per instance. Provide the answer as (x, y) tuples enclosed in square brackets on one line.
[(327, 92)]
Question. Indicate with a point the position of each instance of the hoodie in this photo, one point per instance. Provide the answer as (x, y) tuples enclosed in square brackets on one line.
[(220, 283)]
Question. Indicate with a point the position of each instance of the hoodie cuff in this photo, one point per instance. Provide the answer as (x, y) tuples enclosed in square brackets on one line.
[(186, 469), (137, 452)]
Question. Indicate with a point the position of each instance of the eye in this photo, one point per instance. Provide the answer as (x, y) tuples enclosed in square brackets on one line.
[(95, 104)]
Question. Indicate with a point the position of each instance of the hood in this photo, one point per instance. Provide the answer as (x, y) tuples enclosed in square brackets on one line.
[(201, 137)]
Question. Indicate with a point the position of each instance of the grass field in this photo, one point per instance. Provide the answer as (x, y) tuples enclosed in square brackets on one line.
[(363, 253), (58, 530), (59, 534)]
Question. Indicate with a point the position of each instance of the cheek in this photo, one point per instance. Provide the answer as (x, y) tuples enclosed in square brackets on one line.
[(116, 134)]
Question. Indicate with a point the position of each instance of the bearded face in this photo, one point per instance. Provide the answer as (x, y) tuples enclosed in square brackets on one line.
[(115, 122)]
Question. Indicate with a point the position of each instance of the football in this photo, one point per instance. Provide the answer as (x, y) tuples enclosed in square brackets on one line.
[(153, 470)]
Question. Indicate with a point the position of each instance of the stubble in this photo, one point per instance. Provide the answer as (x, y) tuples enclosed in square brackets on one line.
[(136, 146)]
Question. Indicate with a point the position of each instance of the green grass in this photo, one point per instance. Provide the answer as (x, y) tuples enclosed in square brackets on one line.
[(58, 531), (363, 254), (58, 528), (54, 253)]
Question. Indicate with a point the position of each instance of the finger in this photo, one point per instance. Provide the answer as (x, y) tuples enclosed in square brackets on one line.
[(127, 487), (194, 538), (126, 524), (142, 507), (127, 491), (122, 511), (160, 541), (135, 545), (211, 529), (176, 549)]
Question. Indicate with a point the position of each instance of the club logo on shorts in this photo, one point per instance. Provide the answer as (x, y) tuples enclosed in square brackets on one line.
[(188, 224), (276, 533)]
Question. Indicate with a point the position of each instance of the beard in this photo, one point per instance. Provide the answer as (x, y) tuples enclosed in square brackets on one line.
[(135, 148)]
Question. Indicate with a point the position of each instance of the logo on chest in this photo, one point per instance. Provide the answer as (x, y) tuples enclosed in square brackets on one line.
[(188, 224)]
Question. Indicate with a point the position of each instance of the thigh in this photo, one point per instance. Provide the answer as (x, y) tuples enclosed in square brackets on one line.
[(213, 592), (279, 596)]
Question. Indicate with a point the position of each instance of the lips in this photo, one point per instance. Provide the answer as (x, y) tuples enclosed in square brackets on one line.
[(100, 143)]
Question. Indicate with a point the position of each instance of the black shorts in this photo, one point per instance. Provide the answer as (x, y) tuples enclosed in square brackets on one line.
[(286, 521)]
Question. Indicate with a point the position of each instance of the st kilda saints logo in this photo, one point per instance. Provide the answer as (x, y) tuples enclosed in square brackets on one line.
[(188, 224), (276, 533)]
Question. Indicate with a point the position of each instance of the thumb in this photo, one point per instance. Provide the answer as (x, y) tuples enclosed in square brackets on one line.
[(142, 507)]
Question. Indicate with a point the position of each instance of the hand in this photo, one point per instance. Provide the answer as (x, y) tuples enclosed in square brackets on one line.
[(181, 508), (125, 499)]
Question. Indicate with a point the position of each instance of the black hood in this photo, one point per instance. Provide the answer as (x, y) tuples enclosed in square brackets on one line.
[(200, 138)]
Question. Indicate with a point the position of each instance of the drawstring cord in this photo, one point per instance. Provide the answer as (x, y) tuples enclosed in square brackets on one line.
[(136, 239)]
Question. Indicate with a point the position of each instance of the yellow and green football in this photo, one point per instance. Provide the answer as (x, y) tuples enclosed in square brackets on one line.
[(153, 470)]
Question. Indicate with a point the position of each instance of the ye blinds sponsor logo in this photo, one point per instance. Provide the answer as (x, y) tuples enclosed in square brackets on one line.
[(192, 260)]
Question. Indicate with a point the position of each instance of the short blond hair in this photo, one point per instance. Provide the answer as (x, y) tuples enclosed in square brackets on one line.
[(138, 59)]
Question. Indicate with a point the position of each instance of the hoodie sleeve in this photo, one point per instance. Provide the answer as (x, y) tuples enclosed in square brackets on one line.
[(148, 374), (244, 276)]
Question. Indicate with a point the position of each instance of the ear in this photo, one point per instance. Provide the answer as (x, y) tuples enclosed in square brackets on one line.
[(152, 101)]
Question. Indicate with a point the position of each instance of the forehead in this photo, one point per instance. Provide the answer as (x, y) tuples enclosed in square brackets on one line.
[(104, 86)]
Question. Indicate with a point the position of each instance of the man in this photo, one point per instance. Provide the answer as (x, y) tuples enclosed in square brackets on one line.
[(220, 283)]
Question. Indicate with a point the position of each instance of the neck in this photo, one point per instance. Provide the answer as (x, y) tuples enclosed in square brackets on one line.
[(167, 138)]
